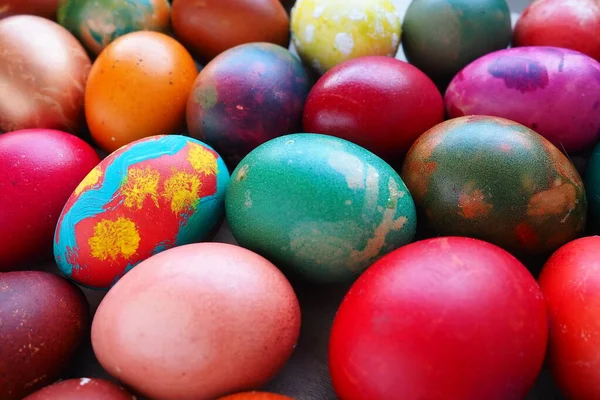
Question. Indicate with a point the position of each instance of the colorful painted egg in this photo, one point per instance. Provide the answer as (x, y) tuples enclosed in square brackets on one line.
[(245, 97), (43, 71), (561, 23), (146, 197), (496, 180), (445, 318), (380, 103), (318, 206), (42, 8), (328, 32), (555, 92), (255, 396), (96, 23), (82, 389), (138, 87), (592, 186), (571, 287), (209, 27), (442, 36)]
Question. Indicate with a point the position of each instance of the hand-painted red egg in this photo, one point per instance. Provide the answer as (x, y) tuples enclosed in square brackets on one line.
[(40, 169), (197, 322), (82, 389), (450, 317), (571, 285), (43, 72), (42, 8), (43, 319), (380, 103), (561, 23)]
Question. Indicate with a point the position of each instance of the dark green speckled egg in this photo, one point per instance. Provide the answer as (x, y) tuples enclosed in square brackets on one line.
[(493, 179), (318, 206)]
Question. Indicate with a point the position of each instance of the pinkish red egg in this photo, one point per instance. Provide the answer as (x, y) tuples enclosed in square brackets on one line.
[(43, 8), (82, 389)]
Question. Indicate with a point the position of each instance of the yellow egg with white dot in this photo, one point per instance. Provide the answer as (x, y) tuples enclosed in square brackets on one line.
[(326, 33)]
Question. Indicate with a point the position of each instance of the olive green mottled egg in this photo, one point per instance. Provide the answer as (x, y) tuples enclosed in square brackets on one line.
[(318, 206), (493, 179)]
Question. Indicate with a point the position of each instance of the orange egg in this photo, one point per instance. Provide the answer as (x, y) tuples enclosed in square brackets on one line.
[(138, 87)]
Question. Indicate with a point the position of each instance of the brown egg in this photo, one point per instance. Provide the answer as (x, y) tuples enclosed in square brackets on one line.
[(43, 319), (82, 389), (43, 71), (197, 322), (43, 8), (209, 27)]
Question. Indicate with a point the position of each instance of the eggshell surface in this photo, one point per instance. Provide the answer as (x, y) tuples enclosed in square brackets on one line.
[(40, 169), (109, 223), (43, 320), (456, 311), (496, 180), (197, 322), (318, 206), (555, 92), (82, 389), (42, 8)]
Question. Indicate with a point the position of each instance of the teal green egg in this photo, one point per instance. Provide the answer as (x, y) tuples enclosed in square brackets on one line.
[(96, 23), (319, 207)]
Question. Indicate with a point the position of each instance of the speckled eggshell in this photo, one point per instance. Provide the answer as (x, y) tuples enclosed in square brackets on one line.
[(255, 396), (43, 320), (96, 23), (197, 322), (440, 37), (146, 197), (592, 186), (496, 180), (318, 206), (245, 97), (555, 92), (82, 389), (328, 32)]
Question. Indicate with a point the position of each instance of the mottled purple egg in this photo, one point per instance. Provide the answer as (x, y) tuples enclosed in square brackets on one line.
[(246, 96), (554, 91)]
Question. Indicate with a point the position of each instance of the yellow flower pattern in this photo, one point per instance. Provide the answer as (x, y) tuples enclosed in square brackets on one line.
[(139, 184), (202, 160), (182, 190), (114, 238)]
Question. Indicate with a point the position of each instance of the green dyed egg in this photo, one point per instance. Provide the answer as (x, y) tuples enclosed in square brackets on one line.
[(318, 206), (440, 37), (493, 179), (96, 23), (592, 185)]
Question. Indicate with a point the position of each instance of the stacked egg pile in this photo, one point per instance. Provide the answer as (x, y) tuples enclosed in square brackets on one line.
[(209, 170)]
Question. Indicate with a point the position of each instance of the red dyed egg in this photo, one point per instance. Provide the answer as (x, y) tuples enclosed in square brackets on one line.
[(42, 8), (380, 103), (570, 281), (572, 24), (40, 169), (445, 318), (82, 389)]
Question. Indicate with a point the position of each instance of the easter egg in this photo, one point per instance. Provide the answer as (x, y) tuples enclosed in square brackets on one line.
[(245, 97), (209, 27), (328, 32), (96, 23), (454, 311), (442, 36), (592, 185), (42, 8), (81, 389), (40, 169), (318, 206), (496, 180), (109, 223), (571, 287), (380, 103), (255, 396), (138, 87), (561, 23), (43, 321), (43, 70), (197, 322), (555, 92)]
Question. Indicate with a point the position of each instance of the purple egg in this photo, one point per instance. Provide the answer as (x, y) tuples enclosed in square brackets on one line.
[(554, 91)]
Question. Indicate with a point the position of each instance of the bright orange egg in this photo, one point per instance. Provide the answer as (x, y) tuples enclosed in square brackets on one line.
[(138, 87)]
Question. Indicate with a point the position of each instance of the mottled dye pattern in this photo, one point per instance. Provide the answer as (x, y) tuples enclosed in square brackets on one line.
[(592, 185), (96, 23), (496, 180), (318, 206), (555, 92), (146, 197), (442, 36), (328, 32), (245, 97)]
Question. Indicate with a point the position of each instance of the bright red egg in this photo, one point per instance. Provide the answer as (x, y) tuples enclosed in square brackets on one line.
[(570, 281), (380, 103), (444, 318), (40, 169), (42, 8)]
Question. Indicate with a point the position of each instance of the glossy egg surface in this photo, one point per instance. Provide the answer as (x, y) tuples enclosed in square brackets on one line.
[(82, 389)]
